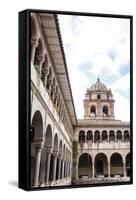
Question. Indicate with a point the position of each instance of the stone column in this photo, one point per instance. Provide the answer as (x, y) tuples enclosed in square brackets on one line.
[(124, 168), (33, 47), (93, 137), (115, 138), (93, 173), (48, 159), (63, 168), (109, 169), (40, 62), (55, 154), (66, 168), (38, 143), (53, 92), (59, 167), (46, 72), (123, 140), (108, 138), (85, 137), (100, 137)]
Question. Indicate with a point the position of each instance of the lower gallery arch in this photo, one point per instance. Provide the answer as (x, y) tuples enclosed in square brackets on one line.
[(48, 154), (85, 166), (116, 165), (101, 165), (128, 164), (36, 133)]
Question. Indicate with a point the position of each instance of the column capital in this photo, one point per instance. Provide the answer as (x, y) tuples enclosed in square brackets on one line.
[(39, 143), (40, 58), (34, 41), (55, 154), (48, 149), (60, 155), (124, 161)]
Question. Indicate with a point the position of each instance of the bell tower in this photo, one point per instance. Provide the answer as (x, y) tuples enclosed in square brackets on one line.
[(99, 102)]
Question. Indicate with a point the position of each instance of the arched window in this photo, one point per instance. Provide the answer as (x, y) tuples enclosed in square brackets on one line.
[(98, 96), (105, 111), (53, 88), (126, 136), (97, 136), (111, 136), (119, 136), (38, 56), (104, 136), (44, 69), (93, 111), (49, 79), (89, 136), (81, 137)]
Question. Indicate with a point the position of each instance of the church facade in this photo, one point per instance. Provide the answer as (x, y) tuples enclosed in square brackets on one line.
[(66, 150)]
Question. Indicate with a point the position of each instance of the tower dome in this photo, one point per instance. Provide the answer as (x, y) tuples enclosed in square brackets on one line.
[(98, 86)]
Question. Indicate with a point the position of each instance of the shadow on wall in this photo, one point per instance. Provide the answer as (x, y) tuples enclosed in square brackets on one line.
[(13, 183)]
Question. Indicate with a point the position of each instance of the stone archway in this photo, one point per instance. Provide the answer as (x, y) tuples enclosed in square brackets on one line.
[(116, 165), (36, 144), (101, 165), (128, 172), (53, 163), (85, 166), (48, 152)]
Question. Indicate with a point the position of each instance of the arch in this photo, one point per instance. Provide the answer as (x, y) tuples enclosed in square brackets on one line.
[(101, 165), (64, 150), (58, 101), (93, 110), (53, 88), (81, 137), (48, 136), (49, 79), (34, 29), (89, 135), (111, 136), (37, 125), (119, 136), (56, 95), (105, 111), (128, 164), (66, 153), (104, 136), (126, 136), (60, 147), (116, 165), (36, 133), (38, 55), (98, 96), (85, 165), (55, 146), (97, 136), (44, 69)]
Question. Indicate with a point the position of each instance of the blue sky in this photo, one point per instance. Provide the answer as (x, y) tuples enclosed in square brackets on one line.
[(98, 46)]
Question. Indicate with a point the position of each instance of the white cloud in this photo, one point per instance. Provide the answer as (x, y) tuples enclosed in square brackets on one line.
[(102, 42)]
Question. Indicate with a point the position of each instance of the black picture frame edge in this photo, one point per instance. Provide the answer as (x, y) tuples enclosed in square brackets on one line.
[(24, 101), (24, 98)]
